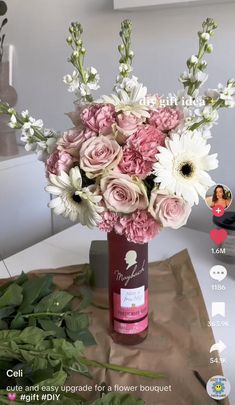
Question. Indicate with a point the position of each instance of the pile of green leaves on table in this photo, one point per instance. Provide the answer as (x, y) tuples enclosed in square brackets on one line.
[(43, 334)]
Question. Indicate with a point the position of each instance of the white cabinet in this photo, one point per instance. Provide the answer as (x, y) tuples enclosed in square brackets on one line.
[(24, 216), (135, 4)]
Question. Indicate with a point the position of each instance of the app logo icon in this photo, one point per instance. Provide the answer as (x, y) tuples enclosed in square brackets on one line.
[(218, 308), (218, 387), (219, 347), (218, 272)]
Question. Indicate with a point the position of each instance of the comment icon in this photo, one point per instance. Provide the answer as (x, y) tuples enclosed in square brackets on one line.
[(218, 273)]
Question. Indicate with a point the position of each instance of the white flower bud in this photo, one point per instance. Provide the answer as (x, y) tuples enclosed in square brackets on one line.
[(194, 59), (205, 36), (93, 70), (209, 48)]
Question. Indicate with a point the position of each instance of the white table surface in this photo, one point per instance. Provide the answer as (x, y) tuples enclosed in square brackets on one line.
[(72, 247)]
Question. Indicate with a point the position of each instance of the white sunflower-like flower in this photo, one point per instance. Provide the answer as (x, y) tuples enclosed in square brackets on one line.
[(183, 164), (74, 201), (131, 100)]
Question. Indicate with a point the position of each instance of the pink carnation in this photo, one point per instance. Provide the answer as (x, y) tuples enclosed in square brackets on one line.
[(139, 227), (165, 118), (73, 139), (59, 161), (99, 117), (109, 219), (140, 152)]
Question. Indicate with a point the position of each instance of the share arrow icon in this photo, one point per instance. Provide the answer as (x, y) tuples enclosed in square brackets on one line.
[(220, 347)]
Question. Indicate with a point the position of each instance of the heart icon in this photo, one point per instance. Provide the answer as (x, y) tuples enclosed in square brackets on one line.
[(11, 396), (218, 235)]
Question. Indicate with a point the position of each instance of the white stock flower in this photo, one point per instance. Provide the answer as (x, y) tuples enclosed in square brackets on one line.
[(30, 126), (210, 114), (228, 94), (225, 93), (197, 77), (13, 121), (72, 81), (74, 201), (25, 114), (183, 164)]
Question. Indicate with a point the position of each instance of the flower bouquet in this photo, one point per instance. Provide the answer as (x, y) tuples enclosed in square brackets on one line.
[(133, 163)]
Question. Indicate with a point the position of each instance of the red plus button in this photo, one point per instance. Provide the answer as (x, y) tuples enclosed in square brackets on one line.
[(218, 210)]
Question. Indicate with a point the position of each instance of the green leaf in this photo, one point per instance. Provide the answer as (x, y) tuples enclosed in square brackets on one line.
[(12, 296), (40, 375), (33, 335), (76, 322), (36, 288), (54, 302), (66, 349), (18, 322), (3, 324), (5, 312), (85, 294), (84, 336), (22, 278), (26, 308), (4, 287), (58, 378), (118, 399), (49, 325)]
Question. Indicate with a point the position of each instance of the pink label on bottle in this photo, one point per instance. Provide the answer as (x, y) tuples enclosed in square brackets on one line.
[(130, 304), (131, 328)]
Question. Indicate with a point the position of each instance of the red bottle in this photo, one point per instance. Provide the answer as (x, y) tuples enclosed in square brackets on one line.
[(128, 289)]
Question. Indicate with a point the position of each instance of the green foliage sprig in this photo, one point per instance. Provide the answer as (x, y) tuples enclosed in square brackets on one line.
[(42, 334), (126, 53), (82, 81)]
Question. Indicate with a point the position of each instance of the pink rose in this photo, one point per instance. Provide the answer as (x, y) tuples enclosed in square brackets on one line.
[(140, 152), (109, 219), (122, 194), (72, 140), (138, 227), (99, 117), (98, 154), (59, 161), (170, 210), (165, 118), (127, 123)]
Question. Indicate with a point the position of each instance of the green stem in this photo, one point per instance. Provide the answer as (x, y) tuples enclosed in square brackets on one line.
[(39, 314), (116, 367)]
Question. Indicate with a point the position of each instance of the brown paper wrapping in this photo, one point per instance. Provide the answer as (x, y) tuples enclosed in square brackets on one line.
[(178, 343)]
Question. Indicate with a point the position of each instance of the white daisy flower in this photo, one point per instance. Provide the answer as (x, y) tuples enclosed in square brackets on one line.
[(74, 201), (132, 101), (183, 164)]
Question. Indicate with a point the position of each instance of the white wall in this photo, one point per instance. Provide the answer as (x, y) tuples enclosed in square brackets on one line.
[(163, 39)]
